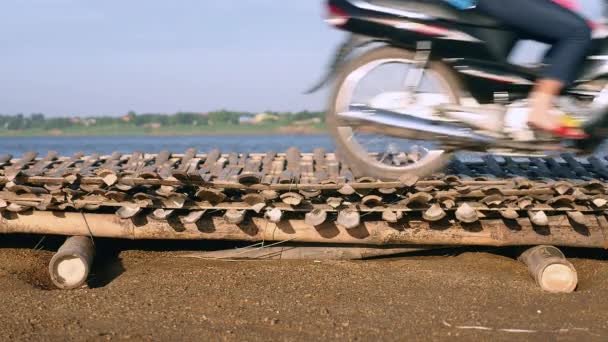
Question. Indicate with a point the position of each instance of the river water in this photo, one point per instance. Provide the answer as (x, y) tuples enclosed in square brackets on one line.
[(177, 144), (151, 144)]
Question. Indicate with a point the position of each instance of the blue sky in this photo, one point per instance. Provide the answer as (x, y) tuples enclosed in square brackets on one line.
[(75, 57)]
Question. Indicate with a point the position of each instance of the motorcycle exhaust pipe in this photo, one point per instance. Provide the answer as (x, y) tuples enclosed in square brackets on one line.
[(407, 126)]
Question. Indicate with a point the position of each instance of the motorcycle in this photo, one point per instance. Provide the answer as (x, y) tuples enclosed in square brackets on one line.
[(417, 81)]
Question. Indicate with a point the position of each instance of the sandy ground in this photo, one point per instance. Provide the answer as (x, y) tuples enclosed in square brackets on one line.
[(148, 291)]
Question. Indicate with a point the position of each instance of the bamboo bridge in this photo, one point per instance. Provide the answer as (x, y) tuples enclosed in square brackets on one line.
[(305, 198)]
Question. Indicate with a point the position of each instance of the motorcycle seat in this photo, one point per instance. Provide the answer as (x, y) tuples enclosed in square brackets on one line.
[(440, 9)]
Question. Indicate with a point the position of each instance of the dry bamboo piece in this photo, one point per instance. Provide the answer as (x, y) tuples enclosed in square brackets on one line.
[(577, 217), (349, 218), (269, 195), (434, 213), (233, 216), (292, 198), (347, 190), (509, 213), (316, 217), (539, 218), (303, 253), (192, 217), (128, 211), (392, 216), (161, 214), (467, 214), (274, 215)]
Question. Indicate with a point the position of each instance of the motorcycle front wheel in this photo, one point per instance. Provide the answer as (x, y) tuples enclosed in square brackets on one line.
[(377, 79)]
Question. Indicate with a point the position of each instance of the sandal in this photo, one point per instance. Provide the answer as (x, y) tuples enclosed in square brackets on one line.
[(568, 129)]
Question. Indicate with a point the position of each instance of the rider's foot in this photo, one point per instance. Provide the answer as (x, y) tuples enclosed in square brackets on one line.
[(543, 117), (568, 128), (541, 113)]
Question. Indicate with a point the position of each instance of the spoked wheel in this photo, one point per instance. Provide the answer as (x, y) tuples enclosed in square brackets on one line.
[(378, 79)]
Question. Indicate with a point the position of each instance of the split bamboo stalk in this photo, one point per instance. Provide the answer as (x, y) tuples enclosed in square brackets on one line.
[(305, 253)]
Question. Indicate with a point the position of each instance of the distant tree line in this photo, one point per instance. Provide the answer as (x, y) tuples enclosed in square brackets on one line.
[(221, 117)]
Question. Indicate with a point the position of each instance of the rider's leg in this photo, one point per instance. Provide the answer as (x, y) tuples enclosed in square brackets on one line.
[(567, 32)]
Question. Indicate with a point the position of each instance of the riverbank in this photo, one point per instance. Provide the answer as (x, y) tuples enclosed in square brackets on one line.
[(150, 291)]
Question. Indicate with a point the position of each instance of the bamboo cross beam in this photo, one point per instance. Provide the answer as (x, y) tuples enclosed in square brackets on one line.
[(487, 232)]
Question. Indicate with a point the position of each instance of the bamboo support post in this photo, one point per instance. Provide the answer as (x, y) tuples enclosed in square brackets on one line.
[(70, 266), (549, 267)]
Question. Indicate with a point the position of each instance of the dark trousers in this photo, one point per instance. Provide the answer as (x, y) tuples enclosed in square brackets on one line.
[(545, 21)]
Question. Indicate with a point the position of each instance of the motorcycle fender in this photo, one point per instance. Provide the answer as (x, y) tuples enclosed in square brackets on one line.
[(484, 79), (494, 72), (344, 51)]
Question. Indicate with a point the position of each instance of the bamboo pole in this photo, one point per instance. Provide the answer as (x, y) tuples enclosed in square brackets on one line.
[(486, 232)]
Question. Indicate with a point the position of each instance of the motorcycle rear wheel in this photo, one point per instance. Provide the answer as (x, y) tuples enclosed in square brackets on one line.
[(349, 148)]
